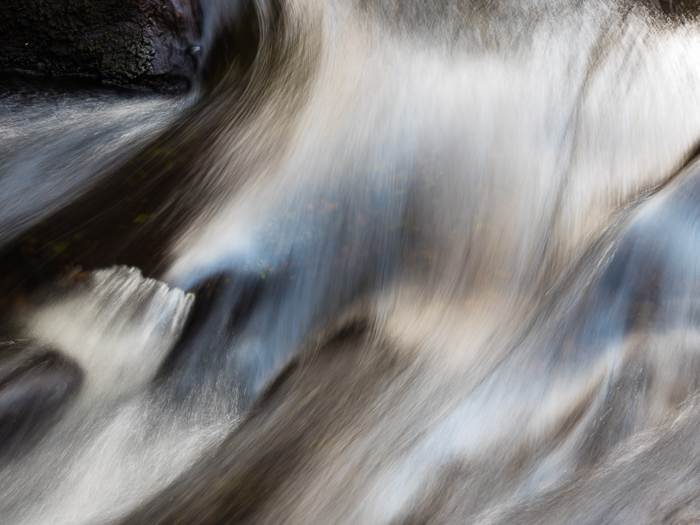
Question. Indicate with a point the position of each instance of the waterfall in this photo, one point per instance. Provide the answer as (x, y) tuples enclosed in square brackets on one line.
[(389, 262)]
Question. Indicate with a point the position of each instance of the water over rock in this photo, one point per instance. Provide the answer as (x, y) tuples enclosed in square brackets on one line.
[(35, 387)]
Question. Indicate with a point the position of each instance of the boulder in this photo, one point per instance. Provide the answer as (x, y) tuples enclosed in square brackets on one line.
[(127, 42)]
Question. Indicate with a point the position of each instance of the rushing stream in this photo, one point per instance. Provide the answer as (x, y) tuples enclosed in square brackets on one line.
[(390, 262)]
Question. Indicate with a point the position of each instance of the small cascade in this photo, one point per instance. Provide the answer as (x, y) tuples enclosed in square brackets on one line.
[(117, 325)]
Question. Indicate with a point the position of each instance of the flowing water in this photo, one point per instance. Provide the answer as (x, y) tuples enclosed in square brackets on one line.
[(390, 262)]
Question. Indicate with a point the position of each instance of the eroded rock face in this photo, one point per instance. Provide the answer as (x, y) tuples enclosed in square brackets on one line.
[(127, 42)]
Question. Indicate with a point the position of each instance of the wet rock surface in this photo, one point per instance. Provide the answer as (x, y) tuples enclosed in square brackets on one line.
[(34, 389), (682, 8), (127, 42)]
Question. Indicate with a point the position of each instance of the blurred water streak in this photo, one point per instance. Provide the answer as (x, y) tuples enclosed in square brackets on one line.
[(446, 260)]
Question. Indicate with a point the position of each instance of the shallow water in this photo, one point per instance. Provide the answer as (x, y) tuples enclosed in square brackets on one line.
[(406, 262)]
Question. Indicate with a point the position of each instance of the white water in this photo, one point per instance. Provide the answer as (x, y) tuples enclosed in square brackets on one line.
[(56, 143), (121, 441), (486, 180), (119, 327)]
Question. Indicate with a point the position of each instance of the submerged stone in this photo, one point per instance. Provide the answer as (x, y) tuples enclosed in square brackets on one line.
[(34, 389)]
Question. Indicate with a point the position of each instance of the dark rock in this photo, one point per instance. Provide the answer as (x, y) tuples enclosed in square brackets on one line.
[(34, 389), (128, 42), (683, 8)]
